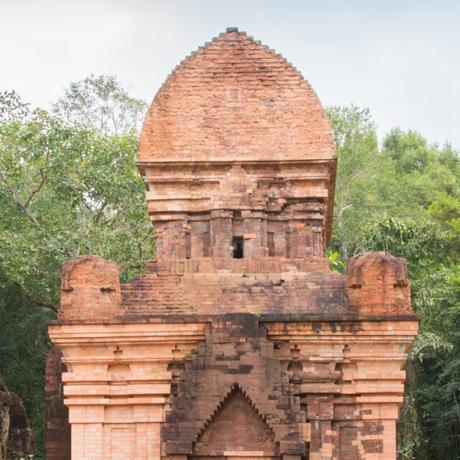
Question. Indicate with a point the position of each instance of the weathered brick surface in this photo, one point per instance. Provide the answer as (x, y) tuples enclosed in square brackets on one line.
[(235, 99), (377, 282), (5, 402), (236, 144), (90, 289), (236, 426), (375, 285), (236, 361), (118, 383), (220, 291), (238, 341), (21, 437), (57, 414)]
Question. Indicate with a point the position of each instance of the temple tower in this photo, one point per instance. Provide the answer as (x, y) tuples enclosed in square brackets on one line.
[(238, 157), (238, 342)]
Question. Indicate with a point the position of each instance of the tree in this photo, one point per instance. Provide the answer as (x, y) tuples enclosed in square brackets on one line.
[(66, 189), (367, 184), (404, 198), (445, 210), (65, 192), (100, 103)]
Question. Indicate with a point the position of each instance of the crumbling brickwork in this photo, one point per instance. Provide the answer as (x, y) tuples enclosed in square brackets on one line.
[(237, 342), (16, 440), (57, 414), (236, 359)]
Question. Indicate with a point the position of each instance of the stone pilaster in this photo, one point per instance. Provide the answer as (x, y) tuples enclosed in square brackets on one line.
[(350, 376), (118, 384)]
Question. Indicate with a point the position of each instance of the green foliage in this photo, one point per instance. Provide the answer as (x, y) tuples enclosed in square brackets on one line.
[(12, 107), (23, 348), (446, 211), (438, 386), (367, 184), (336, 264), (67, 191), (405, 198), (67, 188), (420, 243), (408, 430), (100, 103)]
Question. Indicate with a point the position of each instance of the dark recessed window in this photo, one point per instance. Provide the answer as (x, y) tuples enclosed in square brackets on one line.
[(238, 247)]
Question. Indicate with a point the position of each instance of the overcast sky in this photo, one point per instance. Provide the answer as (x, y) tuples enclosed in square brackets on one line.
[(401, 59)]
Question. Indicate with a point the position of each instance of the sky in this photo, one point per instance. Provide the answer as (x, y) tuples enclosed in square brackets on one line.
[(400, 59)]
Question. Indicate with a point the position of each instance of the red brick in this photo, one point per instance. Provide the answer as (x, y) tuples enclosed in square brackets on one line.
[(211, 354)]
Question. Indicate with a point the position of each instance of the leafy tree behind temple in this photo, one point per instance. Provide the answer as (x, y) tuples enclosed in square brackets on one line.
[(405, 198), (66, 191), (69, 186), (100, 103), (367, 184)]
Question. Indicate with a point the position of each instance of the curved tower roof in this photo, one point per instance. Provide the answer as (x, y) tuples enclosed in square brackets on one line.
[(235, 100)]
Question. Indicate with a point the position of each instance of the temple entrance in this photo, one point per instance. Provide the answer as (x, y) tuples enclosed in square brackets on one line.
[(236, 431), (237, 456)]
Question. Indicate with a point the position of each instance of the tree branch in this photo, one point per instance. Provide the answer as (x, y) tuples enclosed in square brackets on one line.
[(99, 213), (18, 201), (43, 178), (41, 303), (25, 209)]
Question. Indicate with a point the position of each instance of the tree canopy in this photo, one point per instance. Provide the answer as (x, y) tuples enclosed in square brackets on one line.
[(69, 186), (404, 197)]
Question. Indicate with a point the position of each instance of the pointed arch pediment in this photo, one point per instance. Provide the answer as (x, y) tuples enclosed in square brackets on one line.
[(235, 425)]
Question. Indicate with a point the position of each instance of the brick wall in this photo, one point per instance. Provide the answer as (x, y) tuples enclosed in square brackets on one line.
[(235, 99), (57, 414), (238, 341)]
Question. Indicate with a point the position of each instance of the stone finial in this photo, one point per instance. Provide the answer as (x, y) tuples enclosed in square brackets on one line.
[(376, 285), (90, 289)]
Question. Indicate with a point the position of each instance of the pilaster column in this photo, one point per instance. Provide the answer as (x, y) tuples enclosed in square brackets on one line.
[(351, 378), (118, 384), (221, 233)]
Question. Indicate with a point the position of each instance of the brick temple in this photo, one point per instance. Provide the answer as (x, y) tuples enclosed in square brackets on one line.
[(238, 342)]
